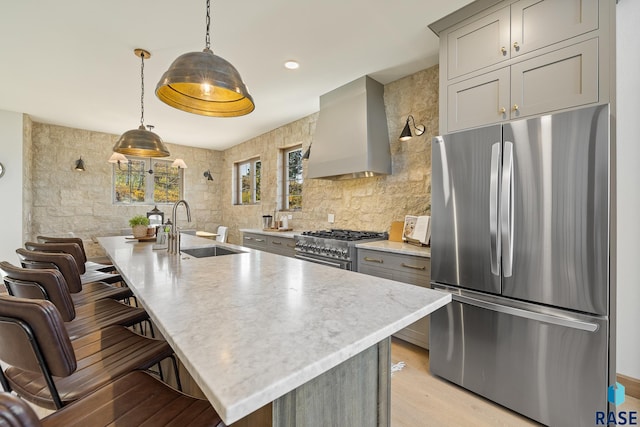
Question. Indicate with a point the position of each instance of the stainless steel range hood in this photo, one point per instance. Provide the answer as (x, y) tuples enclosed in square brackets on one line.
[(351, 138)]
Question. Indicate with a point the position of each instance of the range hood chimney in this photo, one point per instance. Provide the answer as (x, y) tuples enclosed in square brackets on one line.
[(351, 138)]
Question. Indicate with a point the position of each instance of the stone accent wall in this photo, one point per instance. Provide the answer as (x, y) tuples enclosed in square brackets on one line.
[(66, 201), (365, 203), (63, 201)]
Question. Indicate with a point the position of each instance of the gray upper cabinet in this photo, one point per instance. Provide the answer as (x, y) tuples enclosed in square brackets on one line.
[(564, 78), (480, 43), (513, 59), (480, 100), (539, 23)]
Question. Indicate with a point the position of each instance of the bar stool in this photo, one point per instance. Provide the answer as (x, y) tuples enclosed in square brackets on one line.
[(126, 402), (67, 265), (50, 370), (79, 321), (74, 249), (89, 265)]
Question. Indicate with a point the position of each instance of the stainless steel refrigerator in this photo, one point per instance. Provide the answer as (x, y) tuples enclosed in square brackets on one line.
[(521, 238)]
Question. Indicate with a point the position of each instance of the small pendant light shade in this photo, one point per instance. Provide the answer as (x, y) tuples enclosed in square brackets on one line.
[(206, 84), (141, 142)]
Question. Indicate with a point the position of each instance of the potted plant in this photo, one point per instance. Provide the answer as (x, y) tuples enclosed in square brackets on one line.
[(139, 224)]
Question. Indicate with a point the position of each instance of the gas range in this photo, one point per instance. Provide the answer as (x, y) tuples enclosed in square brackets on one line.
[(336, 247)]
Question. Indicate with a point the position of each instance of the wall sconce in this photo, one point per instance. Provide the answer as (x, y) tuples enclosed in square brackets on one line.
[(119, 159), (179, 163), (307, 153), (406, 131), (79, 164), (207, 174)]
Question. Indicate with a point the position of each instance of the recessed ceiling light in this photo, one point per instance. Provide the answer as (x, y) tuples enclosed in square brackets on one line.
[(291, 65)]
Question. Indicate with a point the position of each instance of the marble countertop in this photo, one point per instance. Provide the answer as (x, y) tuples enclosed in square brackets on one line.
[(397, 248), (253, 326), (270, 233)]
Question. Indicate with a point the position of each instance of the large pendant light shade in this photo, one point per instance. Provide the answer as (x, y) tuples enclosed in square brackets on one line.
[(141, 142), (206, 84)]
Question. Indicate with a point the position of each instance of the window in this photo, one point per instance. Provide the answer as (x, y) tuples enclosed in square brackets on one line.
[(292, 182), (248, 181), (133, 184)]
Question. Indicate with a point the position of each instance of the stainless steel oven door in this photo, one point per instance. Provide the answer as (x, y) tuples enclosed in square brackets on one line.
[(336, 263)]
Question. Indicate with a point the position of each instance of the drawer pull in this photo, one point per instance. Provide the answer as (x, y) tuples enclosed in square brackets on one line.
[(259, 240), (379, 261), (276, 243), (415, 267), (248, 238), (289, 245)]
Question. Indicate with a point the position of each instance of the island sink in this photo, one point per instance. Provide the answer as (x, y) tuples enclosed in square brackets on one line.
[(210, 251)]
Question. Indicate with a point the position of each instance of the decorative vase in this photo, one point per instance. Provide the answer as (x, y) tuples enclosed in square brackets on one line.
[(139, 231)]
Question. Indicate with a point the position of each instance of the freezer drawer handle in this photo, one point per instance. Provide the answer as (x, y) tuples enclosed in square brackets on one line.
[(541, 317), (415, 267)]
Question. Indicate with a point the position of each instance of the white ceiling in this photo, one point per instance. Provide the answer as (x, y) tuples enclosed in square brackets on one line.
[(71, 62)]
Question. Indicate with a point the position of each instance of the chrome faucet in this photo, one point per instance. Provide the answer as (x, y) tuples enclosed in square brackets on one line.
[(174, 235)]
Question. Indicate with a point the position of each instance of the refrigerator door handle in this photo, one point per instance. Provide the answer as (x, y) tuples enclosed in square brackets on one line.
[(565, 321), (494, 220), (506, 209)]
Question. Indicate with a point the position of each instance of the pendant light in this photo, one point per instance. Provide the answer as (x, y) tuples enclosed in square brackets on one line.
[(204, 83), (141, 142)]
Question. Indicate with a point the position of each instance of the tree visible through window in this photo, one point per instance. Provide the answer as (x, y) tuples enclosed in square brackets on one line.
[(133, 184), (248, 181), (293, 178)]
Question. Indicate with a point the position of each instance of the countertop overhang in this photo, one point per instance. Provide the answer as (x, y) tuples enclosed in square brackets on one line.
[(253, 326)]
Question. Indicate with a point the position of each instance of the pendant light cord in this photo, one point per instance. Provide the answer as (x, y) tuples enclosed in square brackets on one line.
[(207, 40), (142, 90)]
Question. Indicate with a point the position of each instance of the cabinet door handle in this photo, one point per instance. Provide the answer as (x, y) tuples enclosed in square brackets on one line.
[(415, 267), (502, 110), (379, 261), (276, 243), (515, 107), (516, 46), (503, 50)]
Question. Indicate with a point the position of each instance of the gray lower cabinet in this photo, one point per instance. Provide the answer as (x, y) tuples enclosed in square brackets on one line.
[(275, 244), (281, 245), (410, 269)]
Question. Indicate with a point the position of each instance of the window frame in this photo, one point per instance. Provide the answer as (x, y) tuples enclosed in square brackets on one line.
[(149, 182), (285, 186), (255, 179)]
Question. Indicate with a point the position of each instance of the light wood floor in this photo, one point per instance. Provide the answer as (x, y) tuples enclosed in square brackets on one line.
[(419, 399)]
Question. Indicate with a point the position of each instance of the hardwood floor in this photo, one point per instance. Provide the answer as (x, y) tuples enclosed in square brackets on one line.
[(419, 399)]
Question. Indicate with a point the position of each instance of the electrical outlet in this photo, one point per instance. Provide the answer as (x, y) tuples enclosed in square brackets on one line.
[(290, 216), (331, 218)]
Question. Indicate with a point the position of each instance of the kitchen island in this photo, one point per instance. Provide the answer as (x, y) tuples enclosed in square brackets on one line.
[(256, 330)]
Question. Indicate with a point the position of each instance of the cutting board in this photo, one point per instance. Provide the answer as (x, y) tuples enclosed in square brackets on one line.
[(395, 234)]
